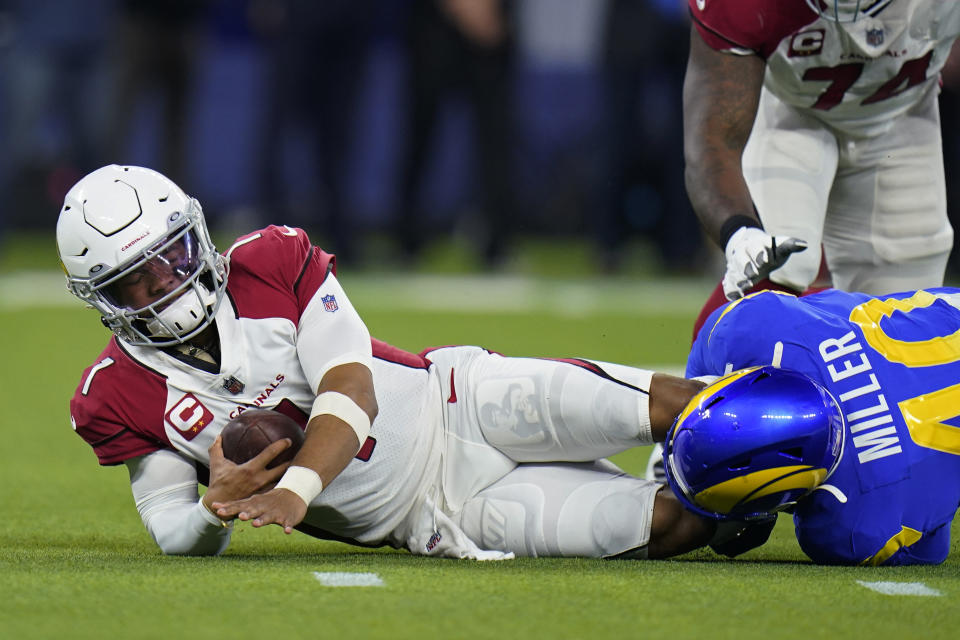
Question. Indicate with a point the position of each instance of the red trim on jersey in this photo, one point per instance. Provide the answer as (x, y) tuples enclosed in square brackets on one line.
[(597, 370), (453, 389), (284, 270), (756, 25), (583, 364), (390, 353), (292, 411), (366, 450), (121, 413)]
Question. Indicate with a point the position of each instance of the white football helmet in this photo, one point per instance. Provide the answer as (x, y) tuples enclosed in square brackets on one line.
[(119, 221), (848, 10)]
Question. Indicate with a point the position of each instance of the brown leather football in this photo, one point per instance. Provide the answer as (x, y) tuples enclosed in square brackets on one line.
[(248, 434)]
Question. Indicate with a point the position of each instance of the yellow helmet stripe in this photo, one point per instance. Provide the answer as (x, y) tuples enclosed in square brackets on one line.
[(709, 391), (724, 496)]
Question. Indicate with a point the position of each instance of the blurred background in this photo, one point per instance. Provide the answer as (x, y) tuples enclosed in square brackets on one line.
[(386, 128)]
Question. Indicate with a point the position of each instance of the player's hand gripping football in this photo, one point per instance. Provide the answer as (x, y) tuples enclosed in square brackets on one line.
[(231, 481), (751, 255)]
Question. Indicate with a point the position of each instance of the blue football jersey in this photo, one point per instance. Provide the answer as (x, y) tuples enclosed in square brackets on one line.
[(893, 365)]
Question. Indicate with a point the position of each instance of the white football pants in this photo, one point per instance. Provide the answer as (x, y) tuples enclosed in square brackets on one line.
[(878, 205), (523, 468)]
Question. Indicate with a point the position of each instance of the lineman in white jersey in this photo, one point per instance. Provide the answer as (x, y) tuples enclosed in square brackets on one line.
[(812, 122), (457, 452)]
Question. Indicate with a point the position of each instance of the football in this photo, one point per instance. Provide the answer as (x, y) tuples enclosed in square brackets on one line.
[(248, 434)]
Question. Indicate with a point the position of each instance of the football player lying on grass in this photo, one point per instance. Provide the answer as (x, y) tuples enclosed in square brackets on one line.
[(459, 452), (881, 453), (455, 452)]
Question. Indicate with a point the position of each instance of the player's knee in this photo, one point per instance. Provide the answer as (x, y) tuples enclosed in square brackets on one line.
[(676, 530), (502, 524), (618, 525), (595, 520)]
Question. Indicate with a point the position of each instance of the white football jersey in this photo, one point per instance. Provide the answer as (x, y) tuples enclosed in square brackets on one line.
[(136, 400), (857, 77)]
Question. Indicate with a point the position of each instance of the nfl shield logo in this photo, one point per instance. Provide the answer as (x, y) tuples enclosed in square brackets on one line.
[(874, 37), (329, 303), (233, 385)]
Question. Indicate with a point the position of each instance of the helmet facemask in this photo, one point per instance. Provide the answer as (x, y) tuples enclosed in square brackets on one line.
[(847, 10), (185, 271)]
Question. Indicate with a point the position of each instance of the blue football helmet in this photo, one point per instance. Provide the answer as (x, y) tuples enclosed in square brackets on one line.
[(753, 443)]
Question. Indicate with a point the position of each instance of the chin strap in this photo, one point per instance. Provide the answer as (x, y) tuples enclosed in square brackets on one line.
[(184, 315)]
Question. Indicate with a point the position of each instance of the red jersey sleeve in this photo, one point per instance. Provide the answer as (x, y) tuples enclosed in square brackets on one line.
[(756, 26), (118, 407), (283, 266), (390, 353)]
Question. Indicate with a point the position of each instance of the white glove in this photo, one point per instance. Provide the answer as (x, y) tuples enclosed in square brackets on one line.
[(751, 255)]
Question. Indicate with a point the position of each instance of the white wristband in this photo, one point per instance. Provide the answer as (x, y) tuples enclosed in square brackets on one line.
[(304, 482), (342, 406)]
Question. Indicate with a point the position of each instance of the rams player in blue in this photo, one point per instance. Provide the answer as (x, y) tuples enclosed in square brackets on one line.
[(840, 407)]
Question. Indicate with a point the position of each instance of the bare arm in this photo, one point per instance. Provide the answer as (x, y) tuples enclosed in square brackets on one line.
[(329, 446), (674, 529), (668, 396), (331, 443), (720, 97)]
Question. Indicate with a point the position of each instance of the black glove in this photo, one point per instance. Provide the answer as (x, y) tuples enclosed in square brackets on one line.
[(733, 537)]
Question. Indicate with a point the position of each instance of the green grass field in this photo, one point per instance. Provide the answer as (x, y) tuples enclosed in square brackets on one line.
[(75, 561)]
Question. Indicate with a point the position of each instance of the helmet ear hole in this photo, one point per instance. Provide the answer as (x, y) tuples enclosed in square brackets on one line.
[(713, 401), (794, 453)]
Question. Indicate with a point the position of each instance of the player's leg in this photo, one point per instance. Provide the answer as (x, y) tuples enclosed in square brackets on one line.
[(535, 410), (789, 165), (571, 509), (887, 229)]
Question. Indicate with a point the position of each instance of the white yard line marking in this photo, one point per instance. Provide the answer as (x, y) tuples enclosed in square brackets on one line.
[(426, 292), (345, 579), (900, 588), (28, 289)]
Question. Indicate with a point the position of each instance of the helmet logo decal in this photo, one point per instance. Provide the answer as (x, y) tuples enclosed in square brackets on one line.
[(134, 241), (723, 497)]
